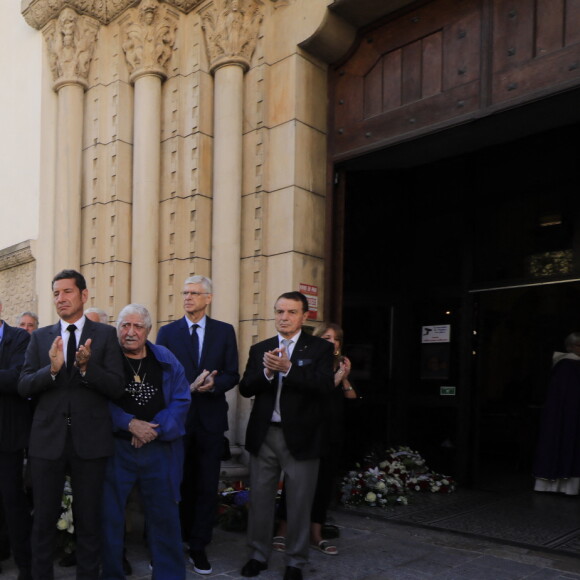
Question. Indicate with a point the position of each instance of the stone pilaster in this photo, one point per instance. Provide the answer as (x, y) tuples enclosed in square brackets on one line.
[(148, 41), (231, 29), (70, 40)]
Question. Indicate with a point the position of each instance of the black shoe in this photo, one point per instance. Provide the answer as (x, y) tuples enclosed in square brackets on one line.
[(292, 573), (68, 560), (253, 568), (127, 568), (200, 562)]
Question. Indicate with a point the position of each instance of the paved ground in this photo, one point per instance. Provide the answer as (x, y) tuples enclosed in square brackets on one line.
[(378, 549)]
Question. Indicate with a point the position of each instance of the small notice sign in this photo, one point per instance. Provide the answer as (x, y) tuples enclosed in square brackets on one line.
[(311, 293), (436, 333), (447, 391)]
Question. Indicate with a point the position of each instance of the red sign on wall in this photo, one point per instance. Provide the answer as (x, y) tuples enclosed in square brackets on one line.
[(311, 293)]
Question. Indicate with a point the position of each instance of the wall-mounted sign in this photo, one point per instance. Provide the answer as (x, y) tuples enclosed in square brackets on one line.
[(447, 391), (436, 333), (311, 293)]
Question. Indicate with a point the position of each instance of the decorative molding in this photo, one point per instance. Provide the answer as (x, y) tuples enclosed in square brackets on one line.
[(71, 42), (185, 5), (231, 30), (38, 13), (149, 38), (16, 255)]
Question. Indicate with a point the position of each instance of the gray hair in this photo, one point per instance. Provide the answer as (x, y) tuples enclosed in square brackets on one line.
[(32, 315), (138, 309), (572, 339), (205, 282), (103, 316)]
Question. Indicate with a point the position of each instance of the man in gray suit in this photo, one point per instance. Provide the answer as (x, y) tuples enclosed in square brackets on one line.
[(72, 369), (290, 376)]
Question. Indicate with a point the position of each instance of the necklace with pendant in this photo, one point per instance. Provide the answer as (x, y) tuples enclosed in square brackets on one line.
[(136, 373)]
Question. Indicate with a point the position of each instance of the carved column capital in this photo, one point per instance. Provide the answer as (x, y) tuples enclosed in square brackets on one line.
[(39, 12), (231, 30), (71, 41), (148, 39)]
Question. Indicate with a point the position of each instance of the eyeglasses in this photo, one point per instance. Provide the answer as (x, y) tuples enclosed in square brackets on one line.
[(194, 294)]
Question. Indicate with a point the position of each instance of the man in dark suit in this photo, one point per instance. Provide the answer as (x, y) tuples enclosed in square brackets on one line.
[(208, 352), (71, 427), (14, 430), (289, 375)]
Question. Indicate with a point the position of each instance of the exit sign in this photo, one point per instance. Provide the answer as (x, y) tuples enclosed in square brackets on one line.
[(447, 391)]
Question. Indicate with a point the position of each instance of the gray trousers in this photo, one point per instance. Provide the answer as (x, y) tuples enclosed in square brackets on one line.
[(300, 483)]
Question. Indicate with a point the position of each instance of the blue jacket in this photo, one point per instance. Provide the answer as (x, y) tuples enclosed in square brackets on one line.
[(171, 420)]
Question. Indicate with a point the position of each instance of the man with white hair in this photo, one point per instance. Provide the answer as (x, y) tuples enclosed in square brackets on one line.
[(149, 424), (208, 351), (28, 321), (97, 315)]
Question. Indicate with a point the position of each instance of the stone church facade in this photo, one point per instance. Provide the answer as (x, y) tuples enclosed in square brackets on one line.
[(222, 137), (184, 137)]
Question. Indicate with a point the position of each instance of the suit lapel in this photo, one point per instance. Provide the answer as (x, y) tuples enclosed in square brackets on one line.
[(54, 331), (89, 328), (185, 338), (301, 346), (5, 340), (208, 338)]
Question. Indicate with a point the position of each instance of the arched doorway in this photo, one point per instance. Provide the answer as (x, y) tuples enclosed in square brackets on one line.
[(458, 243), (454, 206)]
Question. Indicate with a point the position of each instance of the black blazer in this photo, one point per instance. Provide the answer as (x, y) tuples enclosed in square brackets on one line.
[(84, 399), (304, 391), (14, 410), (219, 353)]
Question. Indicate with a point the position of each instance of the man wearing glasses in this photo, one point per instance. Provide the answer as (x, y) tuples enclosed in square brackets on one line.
[(208, 351)]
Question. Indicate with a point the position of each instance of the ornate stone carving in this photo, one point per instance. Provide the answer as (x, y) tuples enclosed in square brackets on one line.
[(71, 42), (149, 38), (231, 30), (185, 5), (39, 12), (16, 255)]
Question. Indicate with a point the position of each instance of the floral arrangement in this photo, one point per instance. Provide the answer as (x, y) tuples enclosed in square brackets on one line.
[(388, 478), (65, 524), (232, 507)]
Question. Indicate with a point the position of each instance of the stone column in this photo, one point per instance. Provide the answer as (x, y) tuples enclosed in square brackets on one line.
[(231, 30), (70, 40), (227, 192), (149, 36)]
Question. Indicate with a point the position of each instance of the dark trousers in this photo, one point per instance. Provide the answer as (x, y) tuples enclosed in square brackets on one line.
[(16, 508), (201, 472), (48, 477)]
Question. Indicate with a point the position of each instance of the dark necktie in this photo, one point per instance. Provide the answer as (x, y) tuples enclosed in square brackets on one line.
[(71, 348), (195, 344)]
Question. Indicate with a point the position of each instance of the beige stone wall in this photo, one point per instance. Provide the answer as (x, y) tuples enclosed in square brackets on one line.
[(284, 171), (185, 187), (17, 281), (284, 165)]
